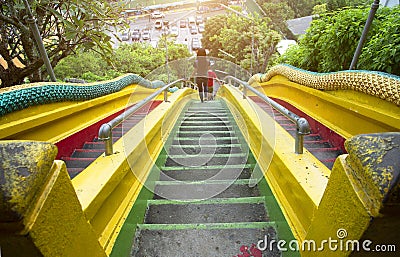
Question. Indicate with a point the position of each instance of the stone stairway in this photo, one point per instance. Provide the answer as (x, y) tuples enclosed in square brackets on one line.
[(203, 204)]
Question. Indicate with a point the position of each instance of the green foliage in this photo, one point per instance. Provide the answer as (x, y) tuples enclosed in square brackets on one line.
[(279, 13), (298, 8), (65, 27), (382, 52), (333, 5), (92, 77), (319, 9), (135, 58), (301, 8), (211, 35), (235, 34), (281, 10), (84, 62), (330, 42)]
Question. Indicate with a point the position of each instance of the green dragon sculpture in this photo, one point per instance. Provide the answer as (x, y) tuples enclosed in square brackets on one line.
[(379, 84), (23, 96)]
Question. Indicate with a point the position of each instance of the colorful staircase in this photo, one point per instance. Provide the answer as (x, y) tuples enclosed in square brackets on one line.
[(203, 204), (83, 156), (317, 144)]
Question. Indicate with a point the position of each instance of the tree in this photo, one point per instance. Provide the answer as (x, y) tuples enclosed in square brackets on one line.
[(86, 65), (300, 8), (333, 5), (138, 58), (330, 42), (65, 26), (382, 51), (279, 13), (319, 9), (212, 32), (234, 34)]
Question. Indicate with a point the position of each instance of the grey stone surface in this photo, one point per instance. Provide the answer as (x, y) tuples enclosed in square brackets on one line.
[(199, 243), (204, 191), (206, 213), (203, 174)]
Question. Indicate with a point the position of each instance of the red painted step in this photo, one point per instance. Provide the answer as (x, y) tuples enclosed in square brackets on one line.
[(85, 146)]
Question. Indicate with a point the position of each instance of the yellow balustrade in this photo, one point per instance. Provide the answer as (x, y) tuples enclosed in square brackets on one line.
[(56, 121), (346, 112)]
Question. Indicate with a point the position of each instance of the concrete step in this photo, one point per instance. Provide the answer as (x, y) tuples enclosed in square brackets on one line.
[(118, 134), (328, 153), (196, 174), (203, 239), (77, 162), (73, 172), (209, 109), (329, 163), (210, 118), (225, 211), (203, 114), (317, 144), (206, 128), (94, 145), (211, 189), (206, 160), (208, 106), (204, 149), (206, 139), (87, 153), (81, 158), (198, 134), (205, 122), (285, 121), (123, 128)]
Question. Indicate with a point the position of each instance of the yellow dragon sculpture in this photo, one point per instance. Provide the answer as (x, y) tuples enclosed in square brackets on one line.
[(379, 84)]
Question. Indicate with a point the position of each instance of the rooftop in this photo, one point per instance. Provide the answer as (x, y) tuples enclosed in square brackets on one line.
[(299, 26)]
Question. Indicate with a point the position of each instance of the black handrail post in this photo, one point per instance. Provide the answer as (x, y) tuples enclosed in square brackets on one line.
[(374, 8), (166, 95), (35, 31)]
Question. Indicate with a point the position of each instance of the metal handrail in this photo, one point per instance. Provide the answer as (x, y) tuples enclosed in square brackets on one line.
[(105, 131), (303, 127)]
